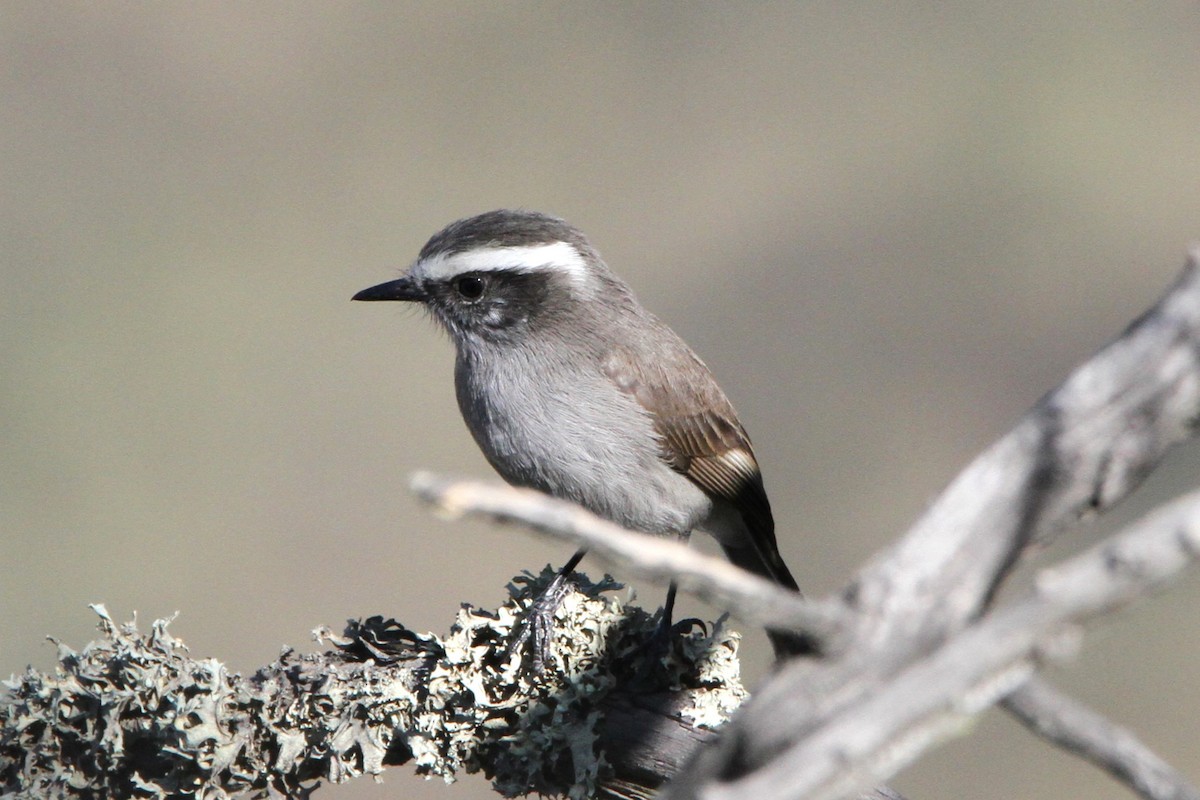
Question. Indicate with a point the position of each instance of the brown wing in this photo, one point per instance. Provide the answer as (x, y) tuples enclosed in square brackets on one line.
[(702, 439)]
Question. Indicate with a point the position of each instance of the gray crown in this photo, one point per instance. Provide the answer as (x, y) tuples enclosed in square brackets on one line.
[(503, 228)]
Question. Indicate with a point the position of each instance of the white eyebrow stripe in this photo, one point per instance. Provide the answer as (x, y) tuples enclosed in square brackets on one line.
[(555, 255)]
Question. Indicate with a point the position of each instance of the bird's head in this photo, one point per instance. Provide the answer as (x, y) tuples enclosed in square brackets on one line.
[(501, 275)]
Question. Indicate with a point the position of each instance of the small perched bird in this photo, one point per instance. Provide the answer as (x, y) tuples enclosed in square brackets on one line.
[(571, 387)]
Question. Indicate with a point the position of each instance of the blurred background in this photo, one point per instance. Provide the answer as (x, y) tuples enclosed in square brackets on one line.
[(888, 228)]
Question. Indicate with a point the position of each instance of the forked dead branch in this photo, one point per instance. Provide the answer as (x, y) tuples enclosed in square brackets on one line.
[(914, 646)]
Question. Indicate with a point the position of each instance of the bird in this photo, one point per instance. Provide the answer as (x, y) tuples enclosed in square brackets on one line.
[(570, 386)]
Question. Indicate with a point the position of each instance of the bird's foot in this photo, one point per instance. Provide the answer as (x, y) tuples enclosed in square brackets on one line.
[(533, 637)]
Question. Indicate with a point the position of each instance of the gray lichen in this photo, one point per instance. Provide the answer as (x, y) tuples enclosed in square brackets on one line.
[(134, 715)]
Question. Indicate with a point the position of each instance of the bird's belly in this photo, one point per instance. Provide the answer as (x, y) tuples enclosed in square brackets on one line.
[(542, 440)]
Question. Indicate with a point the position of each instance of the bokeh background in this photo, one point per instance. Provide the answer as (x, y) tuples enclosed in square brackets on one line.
[(888, 228)]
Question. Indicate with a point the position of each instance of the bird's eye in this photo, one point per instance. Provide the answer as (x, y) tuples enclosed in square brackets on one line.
[(469, 287)]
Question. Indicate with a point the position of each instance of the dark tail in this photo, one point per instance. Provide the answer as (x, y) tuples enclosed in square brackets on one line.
[(769, 564)]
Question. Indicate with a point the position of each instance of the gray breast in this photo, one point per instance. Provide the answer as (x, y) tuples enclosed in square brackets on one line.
[(570, 433)]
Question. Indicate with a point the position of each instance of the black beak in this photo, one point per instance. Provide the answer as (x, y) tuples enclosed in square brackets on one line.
[(399, 289)]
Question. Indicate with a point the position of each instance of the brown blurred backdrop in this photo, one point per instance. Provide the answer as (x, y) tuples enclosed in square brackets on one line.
[(887, 227)]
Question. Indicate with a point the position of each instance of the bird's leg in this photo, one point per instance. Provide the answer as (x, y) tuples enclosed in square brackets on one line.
[(664, 624), (536, 630), (659, 644), (652, 660)]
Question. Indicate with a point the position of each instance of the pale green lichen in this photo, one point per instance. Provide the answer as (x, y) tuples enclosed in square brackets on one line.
[(487, 711), (134, 715), (529, 732)]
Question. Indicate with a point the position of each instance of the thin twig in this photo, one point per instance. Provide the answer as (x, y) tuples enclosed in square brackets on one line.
[(1074, 727), (646, 557)]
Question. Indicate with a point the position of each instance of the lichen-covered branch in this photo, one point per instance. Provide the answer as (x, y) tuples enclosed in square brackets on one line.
[(1078, 729), (136, 715)]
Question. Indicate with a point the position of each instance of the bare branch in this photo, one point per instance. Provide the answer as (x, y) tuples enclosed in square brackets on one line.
[(880, 731), (1073, 726), (648, 557), (1081, 449)]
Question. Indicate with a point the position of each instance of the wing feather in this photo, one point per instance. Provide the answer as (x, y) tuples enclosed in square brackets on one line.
[(701, 437)]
